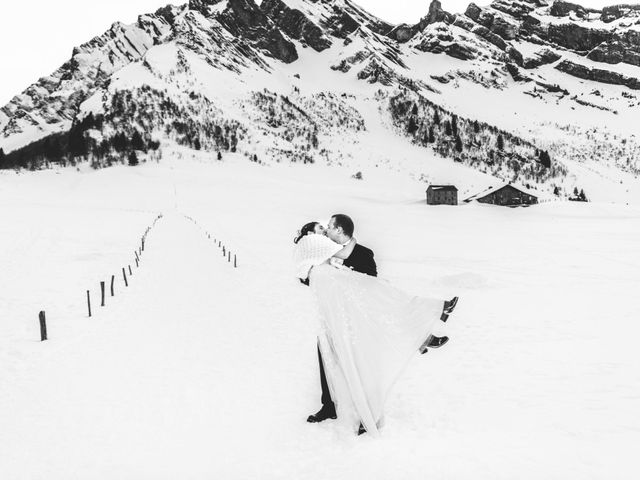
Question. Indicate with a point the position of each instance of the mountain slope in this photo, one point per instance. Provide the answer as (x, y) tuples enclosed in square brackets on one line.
[(495, 89)]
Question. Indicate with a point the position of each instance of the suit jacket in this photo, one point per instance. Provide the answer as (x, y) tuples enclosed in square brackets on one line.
[(361, 260)]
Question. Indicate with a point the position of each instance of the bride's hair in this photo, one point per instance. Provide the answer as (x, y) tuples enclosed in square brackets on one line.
[(306, 230)]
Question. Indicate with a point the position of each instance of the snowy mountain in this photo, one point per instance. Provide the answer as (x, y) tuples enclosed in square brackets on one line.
[(541, 94)]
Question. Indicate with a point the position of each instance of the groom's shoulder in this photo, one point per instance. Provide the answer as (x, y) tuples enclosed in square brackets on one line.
[(363, 250)]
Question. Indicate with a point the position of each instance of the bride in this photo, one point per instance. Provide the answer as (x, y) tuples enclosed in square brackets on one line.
[(368, 330)]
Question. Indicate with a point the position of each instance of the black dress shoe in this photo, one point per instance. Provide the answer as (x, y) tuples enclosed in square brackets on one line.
[(436, 342), (433, 342), (450, 305), (361, 430), (322, 415)]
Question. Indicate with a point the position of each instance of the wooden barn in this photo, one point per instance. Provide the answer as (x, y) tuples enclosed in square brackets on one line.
[(442, 195), (508, 195)]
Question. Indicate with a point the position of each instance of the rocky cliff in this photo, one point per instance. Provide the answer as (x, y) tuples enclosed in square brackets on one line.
[(232, 74)]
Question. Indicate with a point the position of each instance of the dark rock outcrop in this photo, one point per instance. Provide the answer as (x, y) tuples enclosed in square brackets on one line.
[(576, 37), (497, 24), (342, 20), (295, 24), (614, 12), (461, 51), (515, 73), (435, 14), (562, 9), (473, 12), (614, 52), (243, 18), (202, 6), (515, 55), (518, 10), (598, 75), (505, 28), (403, 32), (544, 57), (489, 36), (464, 23)]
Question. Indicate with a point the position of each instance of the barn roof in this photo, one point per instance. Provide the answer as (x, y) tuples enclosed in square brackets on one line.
[(490, 190), (442, 187)]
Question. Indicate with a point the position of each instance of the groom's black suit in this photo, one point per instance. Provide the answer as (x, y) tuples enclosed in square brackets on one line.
[(361, 260)]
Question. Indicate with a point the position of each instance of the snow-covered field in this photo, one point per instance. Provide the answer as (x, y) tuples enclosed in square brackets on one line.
[(198, 370)]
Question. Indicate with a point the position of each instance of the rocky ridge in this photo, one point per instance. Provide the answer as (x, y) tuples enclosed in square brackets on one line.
[(528, 46)]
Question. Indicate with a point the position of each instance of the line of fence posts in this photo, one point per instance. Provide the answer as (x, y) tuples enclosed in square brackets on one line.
[(42, 315), (225, 251)]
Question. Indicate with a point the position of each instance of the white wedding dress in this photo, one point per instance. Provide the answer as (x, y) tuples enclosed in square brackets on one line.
[(368, 331)]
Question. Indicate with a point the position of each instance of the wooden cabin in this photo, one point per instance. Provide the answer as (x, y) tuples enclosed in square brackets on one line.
[(442, 195), (508, 196)]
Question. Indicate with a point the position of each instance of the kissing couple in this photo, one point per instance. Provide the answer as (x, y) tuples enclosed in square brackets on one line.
[(368, 330)]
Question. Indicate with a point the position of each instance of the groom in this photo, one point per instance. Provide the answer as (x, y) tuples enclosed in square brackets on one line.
[(340, 230)]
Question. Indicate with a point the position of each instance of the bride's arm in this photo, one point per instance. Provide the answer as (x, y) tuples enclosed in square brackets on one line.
[(346, 250)]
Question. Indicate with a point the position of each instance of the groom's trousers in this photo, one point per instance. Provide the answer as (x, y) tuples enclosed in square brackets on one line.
[(327, 402)]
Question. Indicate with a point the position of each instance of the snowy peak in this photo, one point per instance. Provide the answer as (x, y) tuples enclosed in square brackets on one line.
[(335, 18), (495, 89)]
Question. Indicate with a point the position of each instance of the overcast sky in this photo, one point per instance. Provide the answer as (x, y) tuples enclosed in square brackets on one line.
[(37, 36)]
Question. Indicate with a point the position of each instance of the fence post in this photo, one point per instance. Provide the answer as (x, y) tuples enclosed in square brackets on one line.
[(113, 277), (89, 302), (137, 258), (235, 262), (130, 272), (137, 264), (229, 256), (224, 252), (102, 293), (124, 275), (43, 326)]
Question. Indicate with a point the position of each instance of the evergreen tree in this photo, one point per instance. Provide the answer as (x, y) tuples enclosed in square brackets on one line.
[(545, 158), (196, 144), (133, 158), (582, 196), (77, 141), (2, 157), (500, 142), (476, 126), (458, 144), (53, 148), (219, 155), (412, 127), (137, 143), (432, 137), (575, 191), (447, 128), (454, 125), (556, 191), (120, 142), (436, 118), (414, 110)]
